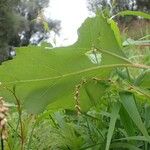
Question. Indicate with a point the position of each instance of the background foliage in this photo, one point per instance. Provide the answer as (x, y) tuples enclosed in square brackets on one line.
[(22, 22)]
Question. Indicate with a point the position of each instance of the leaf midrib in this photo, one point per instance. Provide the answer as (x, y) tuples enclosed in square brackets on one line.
[(80, 72)]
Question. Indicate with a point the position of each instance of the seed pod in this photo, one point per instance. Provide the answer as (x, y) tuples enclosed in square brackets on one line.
[(3, 119)]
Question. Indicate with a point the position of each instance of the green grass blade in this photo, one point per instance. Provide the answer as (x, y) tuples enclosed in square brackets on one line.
[(129, 104), (127, 122), (124, 146), (114, 115), (134, 13), (132, 138)]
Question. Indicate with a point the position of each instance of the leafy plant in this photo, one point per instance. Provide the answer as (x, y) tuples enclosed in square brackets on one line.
[(96, 77)]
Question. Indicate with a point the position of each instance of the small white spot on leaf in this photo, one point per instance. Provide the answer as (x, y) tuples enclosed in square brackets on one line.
[(94, 56)]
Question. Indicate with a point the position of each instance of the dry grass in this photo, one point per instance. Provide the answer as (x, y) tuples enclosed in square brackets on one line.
[(136, 29)]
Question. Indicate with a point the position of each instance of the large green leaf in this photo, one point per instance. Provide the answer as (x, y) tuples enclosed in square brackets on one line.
[(42, 77)]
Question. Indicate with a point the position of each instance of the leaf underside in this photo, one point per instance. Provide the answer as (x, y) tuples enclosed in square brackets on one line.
[(45, 77)]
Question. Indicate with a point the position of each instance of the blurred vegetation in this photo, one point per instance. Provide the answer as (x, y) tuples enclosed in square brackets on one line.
[(116, 6), (20, 20), (8, 25)]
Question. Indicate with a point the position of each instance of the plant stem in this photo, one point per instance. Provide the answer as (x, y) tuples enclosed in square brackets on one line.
[(20, 120), (20, 117), (30, 137), (14, 130), (2, 143), (129, 77)]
